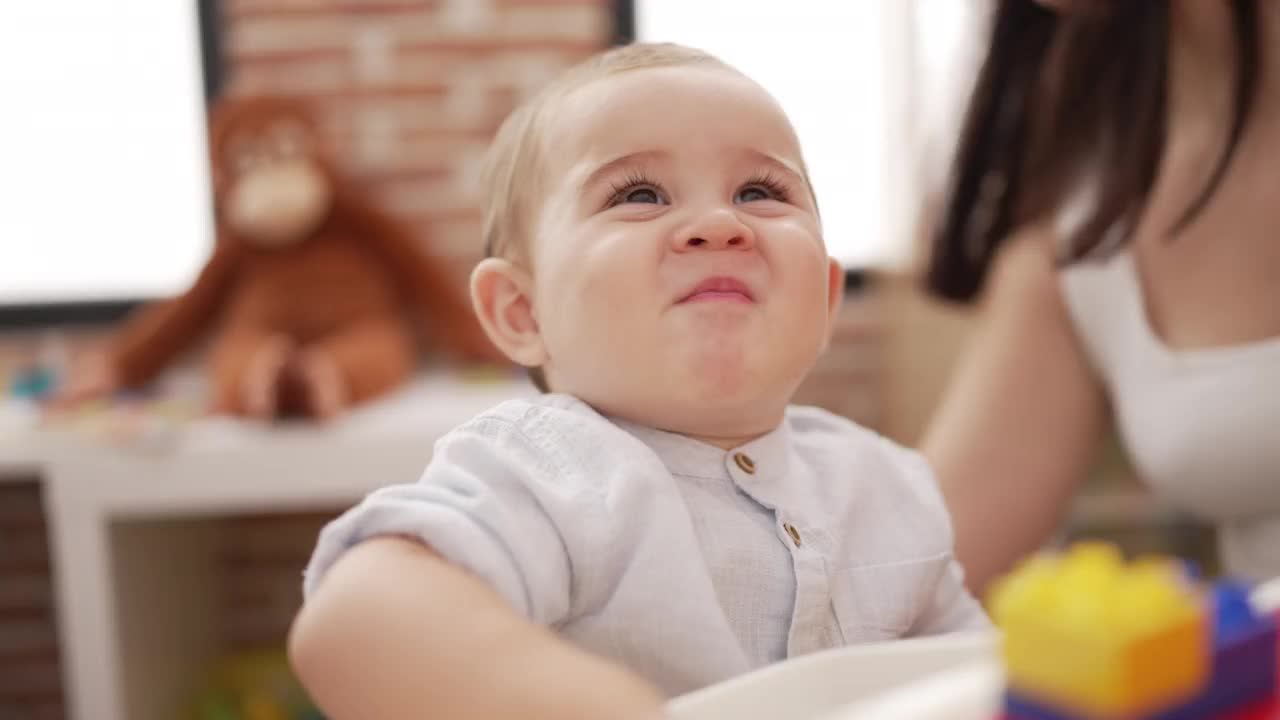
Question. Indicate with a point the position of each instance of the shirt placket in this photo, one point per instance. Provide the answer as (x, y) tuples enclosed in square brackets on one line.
[(811, 628)]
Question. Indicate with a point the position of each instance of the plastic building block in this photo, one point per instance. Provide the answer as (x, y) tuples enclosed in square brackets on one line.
[(1244, 658), (32, 383), (1244, 682), (1264, 710), (1088, 635)]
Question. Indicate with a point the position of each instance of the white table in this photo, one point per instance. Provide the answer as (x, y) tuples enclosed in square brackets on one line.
[(133, 609)]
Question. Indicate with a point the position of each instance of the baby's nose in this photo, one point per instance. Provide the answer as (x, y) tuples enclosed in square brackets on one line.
[(718, 230)]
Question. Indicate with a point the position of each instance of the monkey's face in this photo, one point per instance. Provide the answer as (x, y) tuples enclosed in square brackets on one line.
[(278, 191)]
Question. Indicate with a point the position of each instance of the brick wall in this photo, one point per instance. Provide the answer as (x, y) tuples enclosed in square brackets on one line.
[(30, 683), (260, 564), (410, 91)]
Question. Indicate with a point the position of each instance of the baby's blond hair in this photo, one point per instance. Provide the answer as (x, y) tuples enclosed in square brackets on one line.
[(512, 177)]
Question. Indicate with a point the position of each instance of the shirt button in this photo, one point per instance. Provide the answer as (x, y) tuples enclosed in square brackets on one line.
[(745, 462), (791, 530)]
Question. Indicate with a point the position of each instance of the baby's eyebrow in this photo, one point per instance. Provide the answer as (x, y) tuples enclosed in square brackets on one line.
[(641, 157), (608, 168), (784, 166)]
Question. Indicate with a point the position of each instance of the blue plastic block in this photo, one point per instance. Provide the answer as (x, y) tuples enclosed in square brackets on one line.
[(1017, 707), (1234, 615), (1244, 658)]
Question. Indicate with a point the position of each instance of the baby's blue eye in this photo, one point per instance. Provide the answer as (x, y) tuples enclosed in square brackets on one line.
[(642, 195), (753, 193), (637, 189), (762, 187)]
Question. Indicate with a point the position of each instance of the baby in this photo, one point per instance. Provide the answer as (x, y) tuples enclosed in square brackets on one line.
[(661, 519)]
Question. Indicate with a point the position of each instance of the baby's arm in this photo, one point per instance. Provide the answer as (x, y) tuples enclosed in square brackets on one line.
[(397, 632)]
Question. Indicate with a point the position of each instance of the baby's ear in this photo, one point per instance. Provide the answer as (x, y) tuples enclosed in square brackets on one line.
[(502, 295), (835, 286), (835, 295)]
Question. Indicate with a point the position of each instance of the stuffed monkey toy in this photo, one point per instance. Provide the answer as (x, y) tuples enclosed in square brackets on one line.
[(307, 288)]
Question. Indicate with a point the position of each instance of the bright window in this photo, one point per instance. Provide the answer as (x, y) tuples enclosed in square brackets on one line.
[(103, 171)]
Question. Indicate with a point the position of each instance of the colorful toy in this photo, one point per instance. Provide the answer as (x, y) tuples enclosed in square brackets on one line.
[(32, 383), (1091, 637), (254, 686), (36, 377), (140, 421)]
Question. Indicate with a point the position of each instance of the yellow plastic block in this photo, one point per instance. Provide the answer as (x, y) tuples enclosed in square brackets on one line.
[(1091, 635)]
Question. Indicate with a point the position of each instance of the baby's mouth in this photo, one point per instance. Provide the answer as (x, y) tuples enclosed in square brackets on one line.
[(720, 288)]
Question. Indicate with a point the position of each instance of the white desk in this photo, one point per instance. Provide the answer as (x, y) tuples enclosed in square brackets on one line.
[(132, 608)]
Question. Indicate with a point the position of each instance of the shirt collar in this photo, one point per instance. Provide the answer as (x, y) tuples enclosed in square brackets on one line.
[(767, 455)]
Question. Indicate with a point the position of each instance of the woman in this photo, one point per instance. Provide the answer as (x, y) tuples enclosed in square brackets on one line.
[(1115, 206)]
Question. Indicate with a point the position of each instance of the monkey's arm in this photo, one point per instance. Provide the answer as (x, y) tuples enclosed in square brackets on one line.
[(158, 332)]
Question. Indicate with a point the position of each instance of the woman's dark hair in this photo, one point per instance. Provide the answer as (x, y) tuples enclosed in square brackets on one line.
[(1060, 95)]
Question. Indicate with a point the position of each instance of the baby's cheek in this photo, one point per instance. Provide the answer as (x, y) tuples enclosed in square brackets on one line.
[(810, 289), (812, 268), (616, 277), (605, 301)]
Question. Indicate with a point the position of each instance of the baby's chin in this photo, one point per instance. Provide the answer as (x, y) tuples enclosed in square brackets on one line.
[(741, 372), (704, 405), (696, 390), (710, 423)]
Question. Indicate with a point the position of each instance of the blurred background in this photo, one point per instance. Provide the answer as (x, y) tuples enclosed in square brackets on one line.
[(150, 558)]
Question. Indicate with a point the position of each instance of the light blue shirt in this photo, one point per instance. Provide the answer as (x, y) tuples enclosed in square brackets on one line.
[(687, 563)]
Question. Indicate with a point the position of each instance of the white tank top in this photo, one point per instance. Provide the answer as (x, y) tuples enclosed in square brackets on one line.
[(1202, 426)]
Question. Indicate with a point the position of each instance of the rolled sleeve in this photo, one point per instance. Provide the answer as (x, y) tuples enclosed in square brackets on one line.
[(952, 608), (482, 504)]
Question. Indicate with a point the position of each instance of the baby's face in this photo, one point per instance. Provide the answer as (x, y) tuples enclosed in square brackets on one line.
[(680, 277)]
